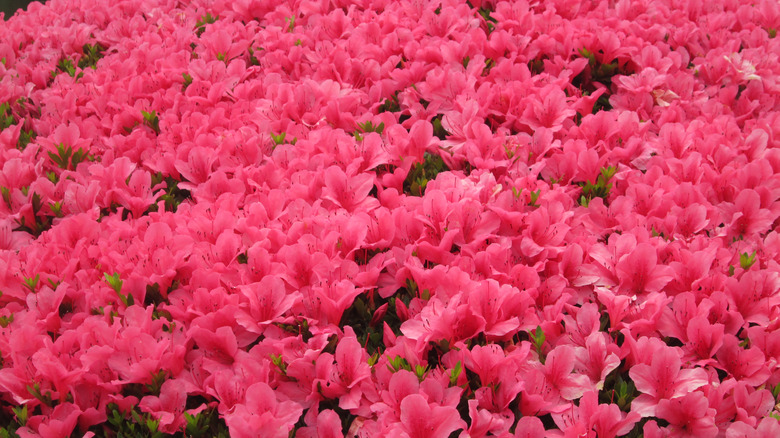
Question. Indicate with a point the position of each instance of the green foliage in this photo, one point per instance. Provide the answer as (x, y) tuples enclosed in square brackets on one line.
[(398, 363), (6, 118), (187, 81), (5, 321), (92, 54), (419, 175), (489, 64), (64, 65), (21, 415), (624, 393), (600, 189), (31, 283), (6, 194), (116, 284), (158, 379), (597, 72), (390, 104), (114, 281), (173, 195), (538, 339), (747, 260), (66, 159), (290, 23), (205, 424), (252, 58), (56, 208), (277, 360), (485, 14), (42, 222), (200, 25), (151, 120), (364, 128), (438, 130), (279, 139), (299, 327), (132, 424), (534, 198), (45, 398), (455, 374), (25, 137)]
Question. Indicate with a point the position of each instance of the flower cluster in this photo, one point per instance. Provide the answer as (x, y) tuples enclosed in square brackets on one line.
[(390, 218)]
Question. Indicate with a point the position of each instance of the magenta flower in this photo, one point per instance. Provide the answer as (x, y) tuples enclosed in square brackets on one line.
[(419, 419), (688, 416), (663, 379)]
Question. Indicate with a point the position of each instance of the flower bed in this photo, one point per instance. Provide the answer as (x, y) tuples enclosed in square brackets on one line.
[(390, 218)]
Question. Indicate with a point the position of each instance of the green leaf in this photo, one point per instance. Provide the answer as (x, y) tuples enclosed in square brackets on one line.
[(6, 320), (6, 196), (278, 139), (25, 137), (535, 197), (21, 414), (114, 281), (6, 117), (252, 58), (277, 360), (200, 25), (455, 373), (420, 371), (151, 120), (187, 81), (747, 260), (31, 283), (91, 55), (420, 173)]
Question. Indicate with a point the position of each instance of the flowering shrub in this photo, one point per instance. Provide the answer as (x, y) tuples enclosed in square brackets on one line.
[(390, 218)]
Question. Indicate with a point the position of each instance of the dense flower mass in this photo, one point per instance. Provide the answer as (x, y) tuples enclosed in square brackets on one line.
[(390, 218)]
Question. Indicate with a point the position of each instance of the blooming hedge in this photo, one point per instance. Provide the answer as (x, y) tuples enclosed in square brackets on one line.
[(390, 218)]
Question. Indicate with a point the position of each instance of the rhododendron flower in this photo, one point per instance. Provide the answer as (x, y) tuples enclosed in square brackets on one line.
[(688, 416), (419, 419), (746, 365), (169, 406), (438, 321), (663, 379), (263, 413), (593, 419), (347, 191), (217, 202)]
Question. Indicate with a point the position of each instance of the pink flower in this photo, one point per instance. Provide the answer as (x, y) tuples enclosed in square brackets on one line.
[(550, 110), (419, 419), (639, 272), (744, 364), (59, 424), (605, 420), (351, 369), (558, 373), (347, 191), (688, 416), (169, 406), (438, 321), (266, 302), (597, 359), (529, 427), (663, 380), (263, 413)]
